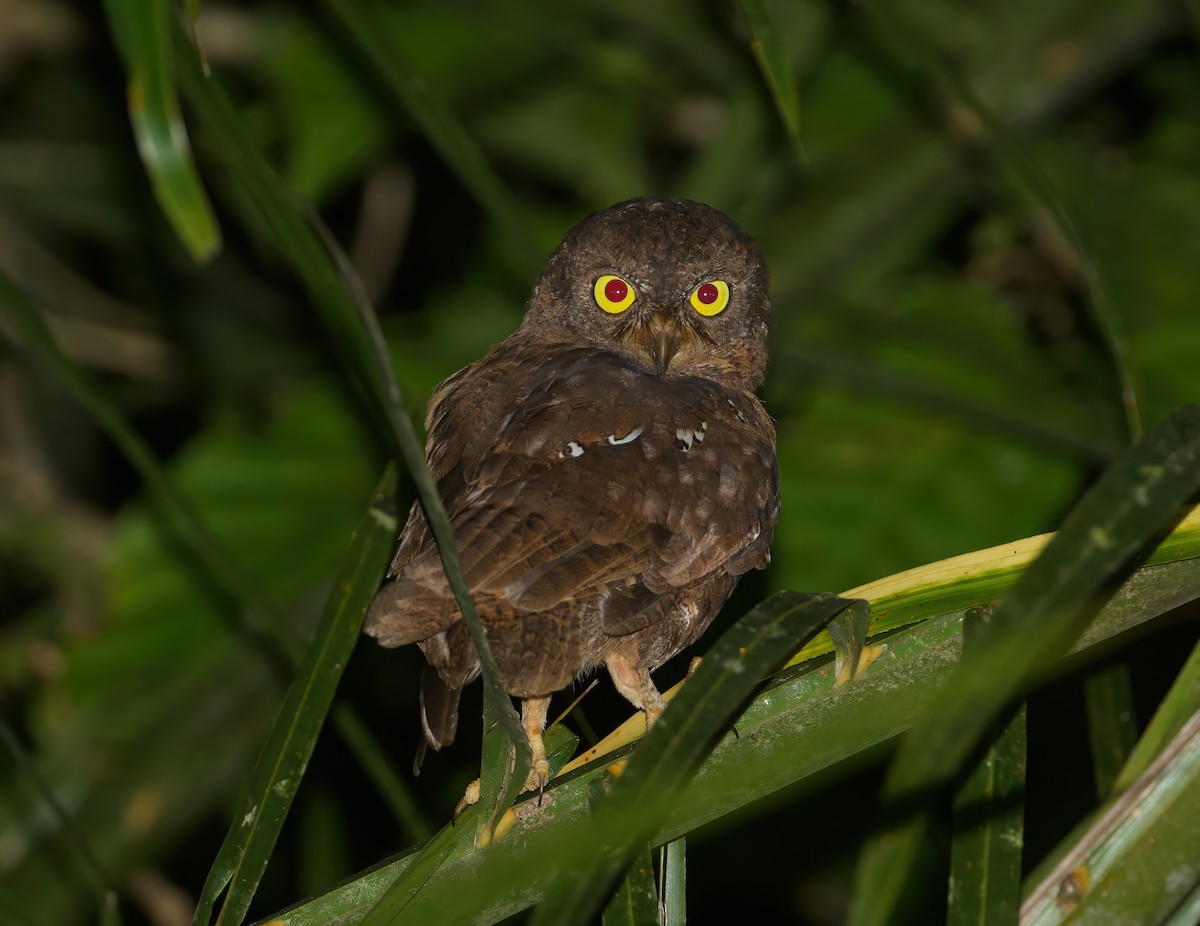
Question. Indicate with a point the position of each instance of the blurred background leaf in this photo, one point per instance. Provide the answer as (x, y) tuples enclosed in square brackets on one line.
[(938, 381)]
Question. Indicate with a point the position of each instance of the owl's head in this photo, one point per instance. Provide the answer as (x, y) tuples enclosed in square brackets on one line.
[(670, 284)]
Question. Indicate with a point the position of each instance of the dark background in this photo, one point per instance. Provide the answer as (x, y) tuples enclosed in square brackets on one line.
[(941, 377)]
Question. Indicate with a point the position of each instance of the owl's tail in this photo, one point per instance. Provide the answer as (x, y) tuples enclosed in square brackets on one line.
[(439, 714), (404, 612)]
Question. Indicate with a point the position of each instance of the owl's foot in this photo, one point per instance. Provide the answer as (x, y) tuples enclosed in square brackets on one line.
[(533, 720)]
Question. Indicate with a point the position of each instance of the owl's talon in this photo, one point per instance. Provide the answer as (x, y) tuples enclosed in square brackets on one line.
[(470, 796), (539, 776)]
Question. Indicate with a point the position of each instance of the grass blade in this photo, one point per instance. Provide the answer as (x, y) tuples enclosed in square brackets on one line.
[(351, 323), (989, 824), (675, 746), (1039, 620), (247, 848), (767, 46), (674, 890), (142, 32), (636, 901), (985, 858)]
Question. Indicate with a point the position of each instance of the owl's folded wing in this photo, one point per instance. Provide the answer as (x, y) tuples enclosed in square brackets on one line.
[(579, 502)]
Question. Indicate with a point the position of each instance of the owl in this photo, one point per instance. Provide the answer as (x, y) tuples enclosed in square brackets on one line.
[(608, 470)]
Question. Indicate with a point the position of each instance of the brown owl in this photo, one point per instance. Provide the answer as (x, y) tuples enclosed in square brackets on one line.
[(607, 468)]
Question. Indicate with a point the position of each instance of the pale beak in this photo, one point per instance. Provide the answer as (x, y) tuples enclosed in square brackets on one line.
[(663, 342)]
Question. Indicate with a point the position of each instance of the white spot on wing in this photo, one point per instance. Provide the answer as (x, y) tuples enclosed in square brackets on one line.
[(686, 436), (631, 436), (576, 449)]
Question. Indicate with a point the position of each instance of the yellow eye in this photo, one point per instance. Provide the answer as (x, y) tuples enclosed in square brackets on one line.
[(613, 294), (710, 298)]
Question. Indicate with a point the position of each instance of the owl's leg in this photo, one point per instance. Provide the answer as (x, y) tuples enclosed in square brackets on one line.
[(533, 719), (632, 678)]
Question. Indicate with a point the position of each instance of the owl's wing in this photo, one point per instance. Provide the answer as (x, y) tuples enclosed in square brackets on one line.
[(580, 495)]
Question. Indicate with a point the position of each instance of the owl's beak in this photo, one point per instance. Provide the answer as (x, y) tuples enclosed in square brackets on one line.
[(663, 341)]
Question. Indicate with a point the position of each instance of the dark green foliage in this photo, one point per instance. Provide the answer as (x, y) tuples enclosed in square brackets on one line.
[(982, 223)]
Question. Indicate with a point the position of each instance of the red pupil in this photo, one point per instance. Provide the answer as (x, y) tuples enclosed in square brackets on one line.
[(616, 290), (707, 294)]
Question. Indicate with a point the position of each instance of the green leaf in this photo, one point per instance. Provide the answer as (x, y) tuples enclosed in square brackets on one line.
[(1112, 723), (636, 901), (248, 845), (1181, 703), (985, 858), (142, 32), (439, 124), (1037, 623), (110, 910), (799, 724), (12, 912), (674, 894), (1009, 152), (1137, 861), (422, 864), (78, 843), (336, 293), (187, 526), (673, 748), (769, 52)]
